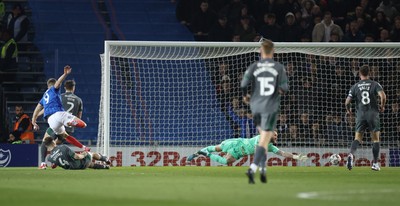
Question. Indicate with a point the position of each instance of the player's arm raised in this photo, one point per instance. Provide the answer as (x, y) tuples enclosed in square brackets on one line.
[(67, 70)]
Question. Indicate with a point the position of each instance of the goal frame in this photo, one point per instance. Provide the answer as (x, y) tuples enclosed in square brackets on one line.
[(295, 46)]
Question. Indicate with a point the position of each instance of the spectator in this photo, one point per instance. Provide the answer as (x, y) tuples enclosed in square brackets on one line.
[(367, 7), (245, 121), (291, 31), (184, 11), (388, 9), (354, 34), (293, 134), (280, 8), (71, 103), (304, 126), (381, 21), (365, 27), (244, 12), (322, 31), (269, 29), (22, 129), (18, 23), (358, 13), (222, 76), (224, 95), (317, 135), (202, 22), (315, 11), (392, 115), (9, 53), (283, 126), (307, 90), (334, 37), (395, 33), (354, 68), (233, 10), (236, 37), (306, 8), (349, 128), (339, 10), (369, 38), (245, 30), (221, 31), (384, 36), (306, 28)]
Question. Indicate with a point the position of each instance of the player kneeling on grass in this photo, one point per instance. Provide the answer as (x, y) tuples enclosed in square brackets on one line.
[(63, 156), (239, 147)]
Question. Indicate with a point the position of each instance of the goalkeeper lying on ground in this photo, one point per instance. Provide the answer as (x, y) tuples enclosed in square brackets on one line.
[(238, 147)]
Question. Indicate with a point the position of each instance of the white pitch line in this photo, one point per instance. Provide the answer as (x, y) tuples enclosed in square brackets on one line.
[(342, 195)]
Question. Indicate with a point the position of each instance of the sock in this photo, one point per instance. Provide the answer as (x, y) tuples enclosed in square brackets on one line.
[(218, 158), (77, 123), (263, 166), (354, 146), (211, 148), (258, 156), (253, 167), (70, 139), (375, 151), (100, 166), (43, 153), (103, 158)]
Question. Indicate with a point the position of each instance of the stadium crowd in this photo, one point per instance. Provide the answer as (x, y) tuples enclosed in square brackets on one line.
[(317, 83), (291, 20), (313, 112)]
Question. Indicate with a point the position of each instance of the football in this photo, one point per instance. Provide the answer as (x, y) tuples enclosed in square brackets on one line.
[(335, 159)]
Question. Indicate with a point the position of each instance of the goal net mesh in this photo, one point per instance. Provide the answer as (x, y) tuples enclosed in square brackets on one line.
[(183, 95)]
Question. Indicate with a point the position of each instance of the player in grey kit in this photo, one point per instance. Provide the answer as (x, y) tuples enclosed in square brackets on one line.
[(71, 103), (365, 93), (269, 81), (63, 156)]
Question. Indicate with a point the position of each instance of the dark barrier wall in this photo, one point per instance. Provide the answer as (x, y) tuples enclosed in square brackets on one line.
[(18, 155)]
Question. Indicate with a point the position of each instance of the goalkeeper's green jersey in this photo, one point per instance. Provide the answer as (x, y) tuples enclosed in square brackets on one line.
[(249, 145)]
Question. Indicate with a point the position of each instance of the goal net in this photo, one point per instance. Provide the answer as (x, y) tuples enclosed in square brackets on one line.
[(162, 101)]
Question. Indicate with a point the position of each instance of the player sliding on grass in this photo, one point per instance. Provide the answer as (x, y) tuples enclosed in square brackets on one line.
[(63, 156), (239, 147), (54, 113)]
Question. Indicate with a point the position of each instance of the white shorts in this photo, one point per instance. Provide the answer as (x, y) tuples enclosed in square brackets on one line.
[(59, 120)]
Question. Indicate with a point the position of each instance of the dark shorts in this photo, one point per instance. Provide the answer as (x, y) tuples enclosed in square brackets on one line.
[(266, 121), (82, 164), (368, 120)]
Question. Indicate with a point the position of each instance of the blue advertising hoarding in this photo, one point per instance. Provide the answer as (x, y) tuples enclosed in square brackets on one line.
[(18, 155)]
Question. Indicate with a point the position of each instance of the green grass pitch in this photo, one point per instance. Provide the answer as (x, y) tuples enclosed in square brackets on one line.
[(202, 186)]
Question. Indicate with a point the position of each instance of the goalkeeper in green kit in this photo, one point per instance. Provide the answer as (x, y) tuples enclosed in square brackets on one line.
[(239, 147)]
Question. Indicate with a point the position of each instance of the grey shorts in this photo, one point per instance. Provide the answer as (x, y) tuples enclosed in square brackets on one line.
[(266, 121)]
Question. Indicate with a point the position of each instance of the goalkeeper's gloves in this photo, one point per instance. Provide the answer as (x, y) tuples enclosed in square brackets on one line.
[(300, 157)]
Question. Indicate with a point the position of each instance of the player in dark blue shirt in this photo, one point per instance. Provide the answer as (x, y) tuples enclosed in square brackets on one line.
[(53, 111)]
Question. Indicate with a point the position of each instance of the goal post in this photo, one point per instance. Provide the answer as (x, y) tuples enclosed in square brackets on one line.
[(162, 101)]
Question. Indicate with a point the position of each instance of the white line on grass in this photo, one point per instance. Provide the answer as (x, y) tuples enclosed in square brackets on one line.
[(343, 195)]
